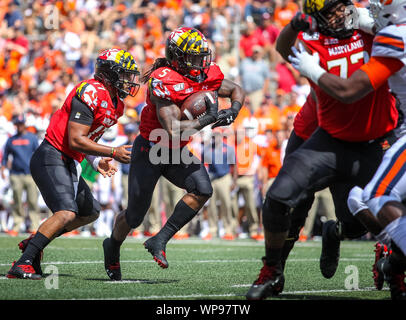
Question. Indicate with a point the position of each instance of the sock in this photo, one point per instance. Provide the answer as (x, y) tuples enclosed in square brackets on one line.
[(397, 231), (273, 256), (287, 248), (115, 244), (36, 244), (180, 217), (335, 231)]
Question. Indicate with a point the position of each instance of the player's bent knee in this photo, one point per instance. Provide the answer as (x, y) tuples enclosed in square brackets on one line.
[(65, 216), (355, 202), (285, 189), (204, 190), (275, 216), (376, 204), (133, 220)]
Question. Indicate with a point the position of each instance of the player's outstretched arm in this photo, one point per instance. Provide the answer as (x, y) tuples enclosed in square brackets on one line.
[(347, 90), (78, 140)]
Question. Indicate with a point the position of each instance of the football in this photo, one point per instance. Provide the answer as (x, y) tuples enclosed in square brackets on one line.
[(194, 106)]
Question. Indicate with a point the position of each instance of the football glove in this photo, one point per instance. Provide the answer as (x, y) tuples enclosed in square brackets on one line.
[(227, 116), (303, 22), (212, 106)]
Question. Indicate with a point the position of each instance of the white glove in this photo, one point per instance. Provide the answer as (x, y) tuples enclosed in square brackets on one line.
[(306, 64), (365, 21)]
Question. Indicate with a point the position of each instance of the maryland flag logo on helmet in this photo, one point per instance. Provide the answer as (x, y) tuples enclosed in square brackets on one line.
[(121, 57), (118, 68), (188, 52), (312, 6), (189, 40)]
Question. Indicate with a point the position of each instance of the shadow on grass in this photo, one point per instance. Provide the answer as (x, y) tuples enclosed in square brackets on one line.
[(142, 281)]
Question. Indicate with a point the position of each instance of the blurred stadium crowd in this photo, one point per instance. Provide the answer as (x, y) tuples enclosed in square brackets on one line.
[(46, 47)]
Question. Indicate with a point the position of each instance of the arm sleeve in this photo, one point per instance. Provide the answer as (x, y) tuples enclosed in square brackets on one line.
[(379, 69), (80, 112)]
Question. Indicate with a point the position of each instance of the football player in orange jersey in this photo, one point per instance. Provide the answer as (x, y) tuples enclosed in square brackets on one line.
[(90, 108)]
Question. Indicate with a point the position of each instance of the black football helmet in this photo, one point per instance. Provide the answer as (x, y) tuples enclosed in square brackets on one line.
[(188, 53), (118, 69), (321, 10)]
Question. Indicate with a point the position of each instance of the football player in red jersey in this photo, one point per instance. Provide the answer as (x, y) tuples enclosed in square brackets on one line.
[(90, 108), (346, 147), (385, 193), (186, 69)]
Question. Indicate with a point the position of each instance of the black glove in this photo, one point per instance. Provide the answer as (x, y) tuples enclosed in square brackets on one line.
[(303, 22), (211, 110), (227, 116)]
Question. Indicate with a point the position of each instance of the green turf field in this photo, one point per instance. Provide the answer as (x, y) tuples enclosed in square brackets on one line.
[(197, 270)]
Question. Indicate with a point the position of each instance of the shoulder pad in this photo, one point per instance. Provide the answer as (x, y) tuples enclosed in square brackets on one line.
[(390, 42), (91, 93)]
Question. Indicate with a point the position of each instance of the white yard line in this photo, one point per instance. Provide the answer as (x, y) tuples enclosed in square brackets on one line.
[(191, 261), (196, 296)]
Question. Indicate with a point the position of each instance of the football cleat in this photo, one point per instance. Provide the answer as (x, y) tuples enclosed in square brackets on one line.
[(157, 249), (395, 280), (36, 263), (330, 250), (381, 251), (270, 283), (23, 271), (111, 261)]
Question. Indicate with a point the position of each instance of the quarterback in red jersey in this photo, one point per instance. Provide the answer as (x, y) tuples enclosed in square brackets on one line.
[(345, 148), (91, 107), (186, 69)]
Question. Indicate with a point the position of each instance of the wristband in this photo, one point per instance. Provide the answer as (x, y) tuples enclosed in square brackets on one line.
[(236, 105), (113, 153)]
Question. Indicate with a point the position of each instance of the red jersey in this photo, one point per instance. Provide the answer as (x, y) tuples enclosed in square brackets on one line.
[(97, 98), (306, 119), (368, 118), (166, 83)]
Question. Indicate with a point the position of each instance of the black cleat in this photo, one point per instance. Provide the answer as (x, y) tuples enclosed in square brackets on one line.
[(23, 270), (395, 280), (270, 283), (330, 250), (36, 263), (111, 261), (157, 249)]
